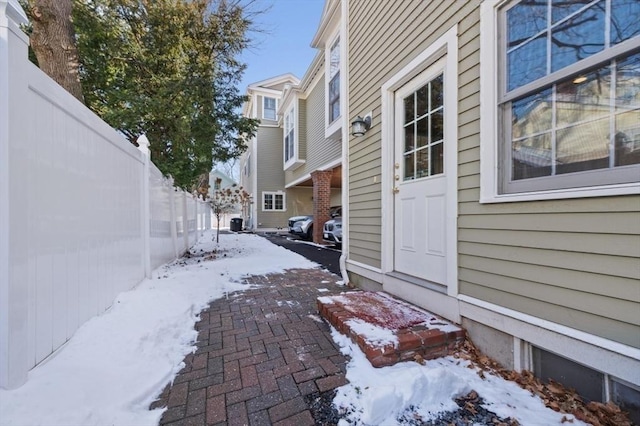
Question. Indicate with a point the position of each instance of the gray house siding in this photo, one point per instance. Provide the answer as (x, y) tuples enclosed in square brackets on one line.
[(573, 262), (303, 139), (318, 151), (270, 176)]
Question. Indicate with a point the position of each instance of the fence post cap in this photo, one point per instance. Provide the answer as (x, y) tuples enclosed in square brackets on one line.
[(13, 10), (143, 142)]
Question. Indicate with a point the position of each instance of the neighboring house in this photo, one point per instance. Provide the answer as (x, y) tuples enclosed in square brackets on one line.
[(261, 165), (295, 168), (219, 180), (537, 259)]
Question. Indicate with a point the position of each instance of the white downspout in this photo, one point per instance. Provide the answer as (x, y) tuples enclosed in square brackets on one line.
[(344, 71)]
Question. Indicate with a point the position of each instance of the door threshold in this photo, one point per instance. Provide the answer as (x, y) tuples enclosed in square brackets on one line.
[(440, 288)]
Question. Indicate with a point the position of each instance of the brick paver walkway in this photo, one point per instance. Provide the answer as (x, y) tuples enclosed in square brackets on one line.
[(263, 355)]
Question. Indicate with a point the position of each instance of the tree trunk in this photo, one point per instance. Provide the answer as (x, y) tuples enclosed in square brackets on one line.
[(53, 42), (218, 229)]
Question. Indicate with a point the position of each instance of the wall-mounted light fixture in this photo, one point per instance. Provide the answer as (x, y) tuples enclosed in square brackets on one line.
[(360, 125)]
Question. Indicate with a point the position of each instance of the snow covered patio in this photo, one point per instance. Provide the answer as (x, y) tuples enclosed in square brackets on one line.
[(388, 330)]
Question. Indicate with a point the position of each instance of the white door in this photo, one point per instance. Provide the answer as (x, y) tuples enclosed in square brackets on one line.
[(420, 196)]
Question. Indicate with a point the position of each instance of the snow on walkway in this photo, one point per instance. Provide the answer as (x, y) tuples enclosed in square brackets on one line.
[(116, 364)]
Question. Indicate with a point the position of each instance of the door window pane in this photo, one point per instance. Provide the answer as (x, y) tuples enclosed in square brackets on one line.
[(437, 132), (422, 101), (408, 139), (436, 92), (422, 132), (408, 166), (422, 163), (423, 118), (409, 111), (437, 159), (423, 115)]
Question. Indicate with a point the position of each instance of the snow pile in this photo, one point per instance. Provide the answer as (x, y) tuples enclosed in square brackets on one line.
[(380, 396), (116, 364)]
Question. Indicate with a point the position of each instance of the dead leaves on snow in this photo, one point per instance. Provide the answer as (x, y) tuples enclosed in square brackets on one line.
[(553, 394)]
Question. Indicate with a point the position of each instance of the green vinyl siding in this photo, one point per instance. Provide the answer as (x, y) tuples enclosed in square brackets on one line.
[(575, 262)]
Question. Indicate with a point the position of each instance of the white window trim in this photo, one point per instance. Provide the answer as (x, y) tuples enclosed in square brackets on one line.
[(489, 129), (447, 45), (274, 193), (294, 162), (264, 100), (333, 129)]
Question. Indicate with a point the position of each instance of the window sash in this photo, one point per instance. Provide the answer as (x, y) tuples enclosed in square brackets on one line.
[(334, 98), (334, 59), (273, 201), (609, 175), (289, 135), (269, 108)]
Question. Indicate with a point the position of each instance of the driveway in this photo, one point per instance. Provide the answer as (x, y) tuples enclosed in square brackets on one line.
[(328, 257)]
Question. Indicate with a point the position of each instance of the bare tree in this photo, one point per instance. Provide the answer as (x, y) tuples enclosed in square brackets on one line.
[(53, 42), (227, 200)]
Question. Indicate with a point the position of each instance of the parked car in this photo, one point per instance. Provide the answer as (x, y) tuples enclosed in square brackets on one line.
[(302, 226), (332, 231)]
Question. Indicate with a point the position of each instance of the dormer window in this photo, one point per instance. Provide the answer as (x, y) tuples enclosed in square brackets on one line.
[(269, 108), (334, 82)]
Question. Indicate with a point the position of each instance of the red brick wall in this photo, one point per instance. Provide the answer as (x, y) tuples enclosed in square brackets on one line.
[(321, 201)]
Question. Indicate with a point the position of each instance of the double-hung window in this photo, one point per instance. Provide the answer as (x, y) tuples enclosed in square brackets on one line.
[(568, 94), (273, 201), (269, 108), (289, 135), (334, 82)]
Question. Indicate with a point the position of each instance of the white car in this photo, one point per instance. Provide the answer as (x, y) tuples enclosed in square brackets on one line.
[(301, 226), (332, 231)]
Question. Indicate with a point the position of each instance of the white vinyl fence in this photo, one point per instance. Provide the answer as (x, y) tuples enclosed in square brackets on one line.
[(84, 215)]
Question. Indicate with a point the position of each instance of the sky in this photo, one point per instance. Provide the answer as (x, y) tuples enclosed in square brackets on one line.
[(117, 363), (284, 43)]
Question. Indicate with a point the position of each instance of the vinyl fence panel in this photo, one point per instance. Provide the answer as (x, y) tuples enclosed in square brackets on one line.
[(84, 215)]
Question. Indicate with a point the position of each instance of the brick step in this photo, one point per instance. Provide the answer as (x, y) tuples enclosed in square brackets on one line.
[(389, 330)]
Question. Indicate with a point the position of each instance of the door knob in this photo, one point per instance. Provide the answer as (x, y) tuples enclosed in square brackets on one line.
[(396, 189)]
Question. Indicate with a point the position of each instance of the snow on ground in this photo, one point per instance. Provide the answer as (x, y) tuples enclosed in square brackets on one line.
[(379, 396), (116, 364)]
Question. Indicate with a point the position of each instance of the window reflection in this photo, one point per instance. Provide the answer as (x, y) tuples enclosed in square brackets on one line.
[(423, 129), (577, 29), (575, 126), (579, 37)]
